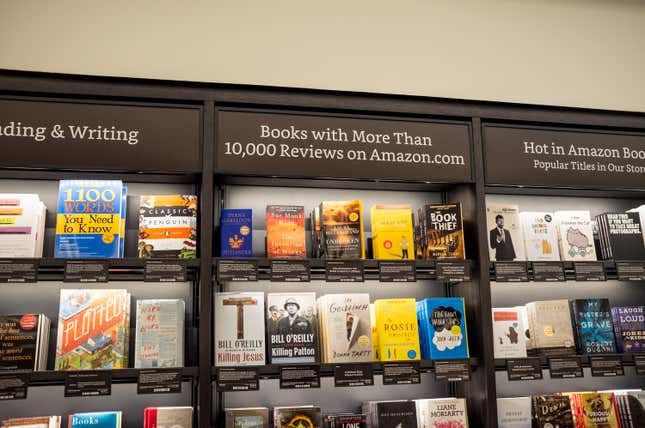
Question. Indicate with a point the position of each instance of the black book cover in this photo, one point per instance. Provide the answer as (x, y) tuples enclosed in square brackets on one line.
[(396, 414), (624, 236), (594, 326), (18, 339), (552, 411), (345, 420)]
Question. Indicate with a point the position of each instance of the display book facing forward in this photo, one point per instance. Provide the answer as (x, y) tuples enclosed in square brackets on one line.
[(22, 225), (442, 328), (397, 330), (95, 419), (33, 422), (24, 342), (292, 328), (168, 417), (159, 339), (422, 413), (620, 236), (439, 231)]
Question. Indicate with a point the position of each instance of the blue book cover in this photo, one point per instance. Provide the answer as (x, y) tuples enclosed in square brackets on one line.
[(594, 326), (445, 320), (629, 327), (236, 237), (95, 420), (88, 223)]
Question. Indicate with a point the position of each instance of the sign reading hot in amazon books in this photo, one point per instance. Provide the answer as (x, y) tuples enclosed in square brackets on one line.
[(548, 157), (92, 136), (302, 145)]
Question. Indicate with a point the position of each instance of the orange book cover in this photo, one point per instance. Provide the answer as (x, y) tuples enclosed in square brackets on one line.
[(286, 231)]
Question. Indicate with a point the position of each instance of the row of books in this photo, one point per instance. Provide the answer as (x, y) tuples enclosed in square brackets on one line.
[(552, 327), (421, 413), (564, 235), (337, 232), (153, 417), (606, 409), (336, 328), (93, 333)]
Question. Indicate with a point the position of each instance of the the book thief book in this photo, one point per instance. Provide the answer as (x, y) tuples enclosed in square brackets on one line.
[(342, 228), (286, 232), (444, 232), (392, 234), (292, 328), (236, 233)]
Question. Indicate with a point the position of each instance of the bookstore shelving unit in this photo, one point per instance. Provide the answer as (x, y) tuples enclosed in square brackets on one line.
[(183, 131)]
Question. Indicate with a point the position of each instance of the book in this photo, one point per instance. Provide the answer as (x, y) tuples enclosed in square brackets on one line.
[(629, 328), (514, 412), (641, 213), (124, 215), (159, 340), (247, 417), (88, 223), (34, 422), (24, 342), (550, 411), (575, 235), (598, 410), (551, 327), (236, 233), (524, 320), (167, 226), (399, 414), (631, 408), (95, 419), (286, 237), (540, 236), (508, 333), (345, 420), (397, 330), (292, 328), (93, 329), (594, 326), (621, 236), (300, 416), (505, 239), (166, 417), (392, 234), (442, 412), (444, 232), (442, 322), (345, 328), (239, 329), (342, 229), (22, 225)]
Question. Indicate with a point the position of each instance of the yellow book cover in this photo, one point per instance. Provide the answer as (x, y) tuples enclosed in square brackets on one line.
[(599, 410), (374, 332), (342, 228), (392, 234), (397, 329)]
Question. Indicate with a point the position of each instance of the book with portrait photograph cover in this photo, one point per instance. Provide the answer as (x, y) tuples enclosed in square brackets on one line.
[(505, 239), (292, 328)]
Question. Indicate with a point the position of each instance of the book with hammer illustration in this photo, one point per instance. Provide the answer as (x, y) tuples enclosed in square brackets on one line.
[(239, 329), (292, 328), (159, 340)]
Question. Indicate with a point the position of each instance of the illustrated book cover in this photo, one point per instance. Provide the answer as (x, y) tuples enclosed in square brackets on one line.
[(594, 326), (342, 229), (247, 417), (397, 330), (444, 232), (629, 328), (392, 234), (551, 328), (540, 236), (442, 322), (575, 236), (159, 340), (239, 329), (286, 236), (508, 333), (236, 233)]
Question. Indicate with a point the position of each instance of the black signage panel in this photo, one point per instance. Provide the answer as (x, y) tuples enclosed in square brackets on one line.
[(43, 134), (18, 270), (589, 271), (548, 271), (549, 157), (237, 270), (403, 373), (344, 271), (565, 367), (342, 147), (397, 271), (524, 369), (13, 386), (607, 365), (452, 370), (290, 271), (238, 379), (88, 383), (631, 271), (164, 271), (86, 271), (360, 374), (511, 272), (639, 364), (159, 381), (299, 377), (454, 271)]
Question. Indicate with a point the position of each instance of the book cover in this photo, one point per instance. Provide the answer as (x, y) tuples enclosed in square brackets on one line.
[(297, 417), (239, 329), (88, 223), (594, 326), (623, 236), (540, 236), (575, 235), (159, 340), (342, 229), (292, 328), (599, 410), (551, 327), (24, 342), (247, 417), (168, 417), (236, 233), (397, 330), (392, 234), (444, 328), (442, 412), (22, 225), (124, 215), (444, 232), (508, 333), (345, 420), (346, 330), (629, 328), (95, 419), (505, 239), (286, 232), (514, 412), (167, 226), (92, 329), (35, 422), (397, 414), (552, 411)]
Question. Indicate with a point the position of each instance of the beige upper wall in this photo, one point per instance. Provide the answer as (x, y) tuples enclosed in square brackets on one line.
[(582, 53)]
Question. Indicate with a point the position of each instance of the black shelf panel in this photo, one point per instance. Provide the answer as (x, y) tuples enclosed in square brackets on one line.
[(425, 269), (609, 267), (57, 377), (272, 371), (628, 360), (128, 177)]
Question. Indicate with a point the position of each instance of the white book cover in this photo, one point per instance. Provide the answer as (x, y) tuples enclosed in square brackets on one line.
[(239, 329), (524, 320), (347, 327), (508, 333), (540, 236), (514, 412), (159, 338), (440, 412), (575, 235), (505, 241), (21, 222)]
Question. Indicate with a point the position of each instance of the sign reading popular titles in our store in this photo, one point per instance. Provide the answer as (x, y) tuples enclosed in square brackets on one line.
[(537, 156), (325, 146), (92, 136)]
